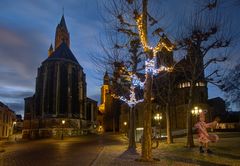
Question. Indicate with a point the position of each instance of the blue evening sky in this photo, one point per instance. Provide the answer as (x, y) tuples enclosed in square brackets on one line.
[(27, 28)]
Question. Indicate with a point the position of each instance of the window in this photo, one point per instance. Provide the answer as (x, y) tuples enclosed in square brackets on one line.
[(183, 85)]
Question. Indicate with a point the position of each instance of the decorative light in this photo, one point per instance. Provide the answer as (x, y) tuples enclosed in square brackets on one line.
[(150, 64), (136, 81), (150, 68), (143, 39)]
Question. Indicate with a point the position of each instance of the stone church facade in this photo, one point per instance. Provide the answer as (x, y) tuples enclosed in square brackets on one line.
[(180, 97), (60, 93)]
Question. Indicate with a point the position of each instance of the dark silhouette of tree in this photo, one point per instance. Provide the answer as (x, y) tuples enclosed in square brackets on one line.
[(204, 33), (231, 85)]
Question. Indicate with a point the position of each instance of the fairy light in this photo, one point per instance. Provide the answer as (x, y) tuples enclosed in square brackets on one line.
[(143, 39), (136, 81), (150, 64), (142, 35), (151, 67)]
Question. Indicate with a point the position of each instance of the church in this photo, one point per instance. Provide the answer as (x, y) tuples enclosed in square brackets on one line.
[(60, 104), (117, 118)]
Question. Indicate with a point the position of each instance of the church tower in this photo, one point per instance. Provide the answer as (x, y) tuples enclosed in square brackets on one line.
[(106, 79), (62, 34), (104, 92)]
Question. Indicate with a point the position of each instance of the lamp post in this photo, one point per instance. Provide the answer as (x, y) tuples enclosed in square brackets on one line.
[(158, 118), (125, 128), (63, 122), (196, 111), (14, 125)]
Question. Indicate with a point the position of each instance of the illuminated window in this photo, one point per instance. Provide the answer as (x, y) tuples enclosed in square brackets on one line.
[(184, 85)]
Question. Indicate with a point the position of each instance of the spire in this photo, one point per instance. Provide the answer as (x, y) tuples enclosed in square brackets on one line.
[(62, 34), (50, 50), (106, 79), (63, 23)]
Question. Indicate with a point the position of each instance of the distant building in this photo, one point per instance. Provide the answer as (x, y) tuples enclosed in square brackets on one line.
[(217, 108), (19, 124), (109, 106), (60, 93), (179, 98), (7, 119)]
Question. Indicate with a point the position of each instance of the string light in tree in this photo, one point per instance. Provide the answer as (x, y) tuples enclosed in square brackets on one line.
[(150, 64), (143, 38), (136, 81)]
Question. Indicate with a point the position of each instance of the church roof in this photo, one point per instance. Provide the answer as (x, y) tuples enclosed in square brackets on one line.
[(62, 53), (63, 23)]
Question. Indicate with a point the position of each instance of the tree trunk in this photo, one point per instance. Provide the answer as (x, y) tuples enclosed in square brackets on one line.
[(113, 124), (147, 123), (132, 143), (169, 126), (190, 142), (168, 110)]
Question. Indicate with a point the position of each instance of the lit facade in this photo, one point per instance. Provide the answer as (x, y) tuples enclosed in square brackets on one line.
[(7, 117), (109, 107)]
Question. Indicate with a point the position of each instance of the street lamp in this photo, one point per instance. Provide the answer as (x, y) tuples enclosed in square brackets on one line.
[(14, 125), (158, 118), (63, 122), (125, 127), (196, 111)]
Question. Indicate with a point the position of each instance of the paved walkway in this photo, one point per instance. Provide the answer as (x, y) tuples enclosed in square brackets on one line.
[(175, 154), (118, 155)]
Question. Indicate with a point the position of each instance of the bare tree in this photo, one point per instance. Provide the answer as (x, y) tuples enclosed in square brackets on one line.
[(164, 85), (230, 84), (123, 60), (204, 34), (134, 20)]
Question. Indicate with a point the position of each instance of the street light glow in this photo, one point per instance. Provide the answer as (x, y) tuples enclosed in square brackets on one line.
[(157, 117), (196, 110)]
